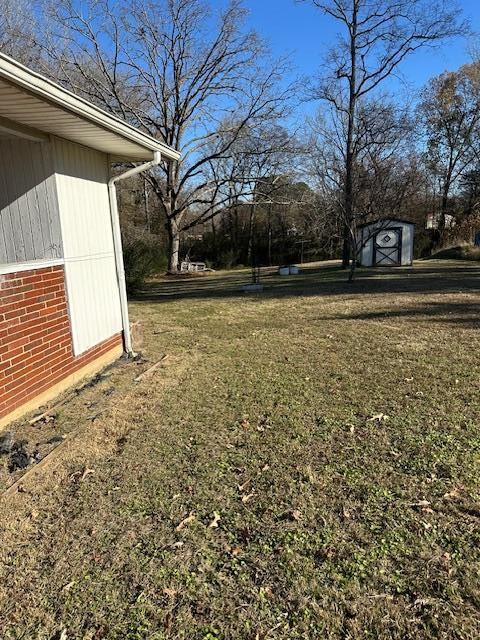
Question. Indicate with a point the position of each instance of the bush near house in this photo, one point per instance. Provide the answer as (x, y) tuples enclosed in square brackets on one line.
[(142, 256)]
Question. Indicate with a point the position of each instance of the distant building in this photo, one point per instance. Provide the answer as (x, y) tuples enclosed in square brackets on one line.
[(387, 243), (433, 221)]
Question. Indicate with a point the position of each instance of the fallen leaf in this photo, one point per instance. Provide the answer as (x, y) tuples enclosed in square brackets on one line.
[(266, 591), (215, 521), (379, 417), (422, 602), (186, 521), (242, 487), (423, 504), (453, 494), (86, 473)]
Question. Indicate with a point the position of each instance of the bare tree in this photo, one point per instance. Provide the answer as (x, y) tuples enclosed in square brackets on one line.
[(450, 111), (18, 27), (251, 175), (383, 171), (189, 77), (376, 37)]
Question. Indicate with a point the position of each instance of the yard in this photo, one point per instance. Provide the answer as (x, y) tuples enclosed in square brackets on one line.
[(304, 465)]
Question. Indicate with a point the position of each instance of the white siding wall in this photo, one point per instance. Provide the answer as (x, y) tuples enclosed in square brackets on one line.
[(92, 289), (29, 222)]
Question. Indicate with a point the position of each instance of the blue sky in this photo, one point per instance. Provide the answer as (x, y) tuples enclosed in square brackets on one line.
[(301, 30)]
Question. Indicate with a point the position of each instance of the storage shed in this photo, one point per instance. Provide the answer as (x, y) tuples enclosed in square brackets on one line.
[(63, 311), (387, 243)]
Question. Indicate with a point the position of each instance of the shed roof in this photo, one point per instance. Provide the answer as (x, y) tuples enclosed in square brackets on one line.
[(37, 104)]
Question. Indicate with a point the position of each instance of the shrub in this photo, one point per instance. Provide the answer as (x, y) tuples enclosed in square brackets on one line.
[(142, 256), (458, 252), (227, 259)]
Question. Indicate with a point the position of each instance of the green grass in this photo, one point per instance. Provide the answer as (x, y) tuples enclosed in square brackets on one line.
[(331, 430)]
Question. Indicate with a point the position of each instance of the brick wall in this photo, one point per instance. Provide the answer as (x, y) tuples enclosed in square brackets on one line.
[(35, 340)]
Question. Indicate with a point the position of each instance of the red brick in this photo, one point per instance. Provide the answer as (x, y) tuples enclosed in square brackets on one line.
[(35, 336)]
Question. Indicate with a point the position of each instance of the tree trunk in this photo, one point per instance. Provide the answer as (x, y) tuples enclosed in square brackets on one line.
[(270, 235), (173, 244), (148, 225), (351, 273), (173, 217), (345, 247), (251, 240), (443, 212), (438, 237), (353, 261), (214, 238), (350, 152)]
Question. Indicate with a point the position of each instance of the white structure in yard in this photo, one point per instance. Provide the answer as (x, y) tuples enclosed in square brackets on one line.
[(63, 304), (387, 243)]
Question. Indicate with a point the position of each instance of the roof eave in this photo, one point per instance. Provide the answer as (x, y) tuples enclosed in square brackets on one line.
[(33, 82)]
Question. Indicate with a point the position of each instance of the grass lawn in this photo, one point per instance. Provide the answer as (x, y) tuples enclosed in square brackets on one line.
[(305, 465)]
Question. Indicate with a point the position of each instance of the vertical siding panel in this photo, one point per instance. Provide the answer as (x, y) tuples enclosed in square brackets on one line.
[(81, 176), (18, 247), (3, 245), (18, 178), (49, 219), (51, 198), (27, 211), (34, 176), (6, 228)]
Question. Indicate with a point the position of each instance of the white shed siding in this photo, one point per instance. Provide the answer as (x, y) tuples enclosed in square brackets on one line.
[(367, 248), (366, 237), (407, 244), (92, 288), (29, 220)]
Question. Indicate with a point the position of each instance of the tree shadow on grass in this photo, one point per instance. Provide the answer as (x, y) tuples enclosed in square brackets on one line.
[(466, 314), (325, 280)]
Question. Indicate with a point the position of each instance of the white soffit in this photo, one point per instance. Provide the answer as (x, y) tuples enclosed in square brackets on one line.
[(34, 101)]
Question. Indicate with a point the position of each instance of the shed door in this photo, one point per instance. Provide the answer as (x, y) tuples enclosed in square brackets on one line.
[(387, 247)]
